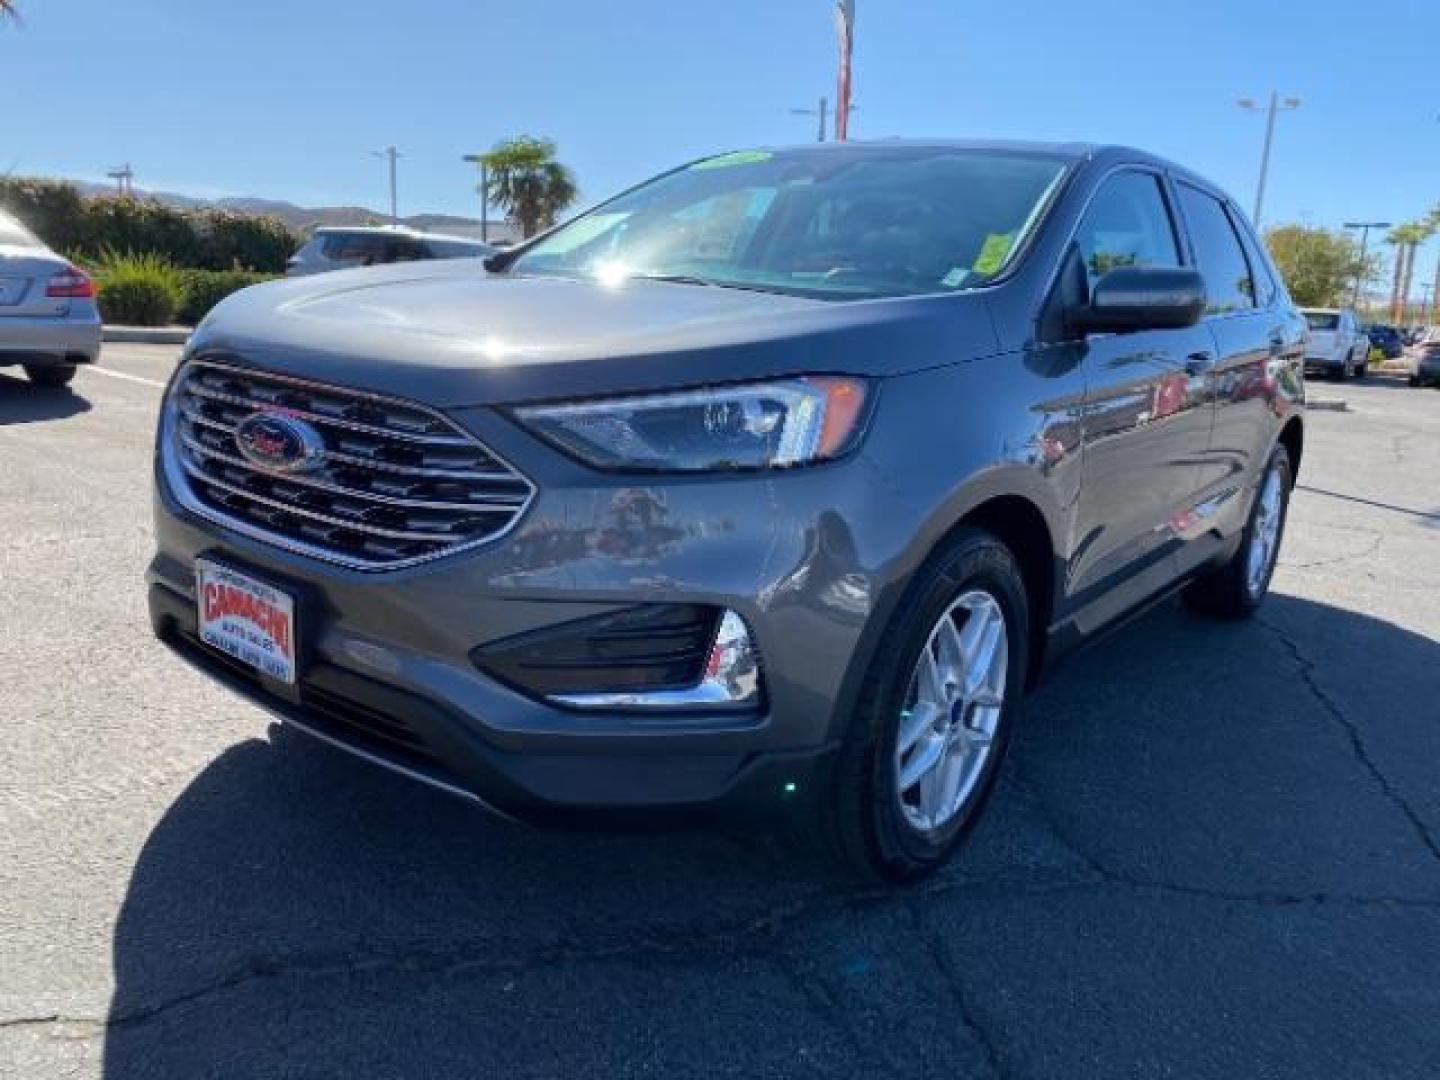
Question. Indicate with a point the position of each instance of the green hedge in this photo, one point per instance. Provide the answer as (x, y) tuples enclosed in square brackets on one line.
[(136, 290), (208, 238), (203, 289)]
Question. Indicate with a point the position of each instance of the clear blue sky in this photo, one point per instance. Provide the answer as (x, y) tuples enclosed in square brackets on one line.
[(284, 99)]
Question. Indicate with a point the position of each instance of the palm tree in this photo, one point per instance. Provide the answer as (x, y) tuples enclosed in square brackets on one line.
[(1406, 238), (1411, 236), (8, 10), (528, 183)]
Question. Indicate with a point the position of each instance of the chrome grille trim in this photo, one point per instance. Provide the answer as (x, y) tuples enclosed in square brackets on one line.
[(360, 509)]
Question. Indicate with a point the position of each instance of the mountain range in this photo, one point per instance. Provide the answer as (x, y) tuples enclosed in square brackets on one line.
[(303, 218)]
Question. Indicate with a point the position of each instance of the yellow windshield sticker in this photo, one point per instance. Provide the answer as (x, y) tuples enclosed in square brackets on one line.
[(738, 157), (993, 252)]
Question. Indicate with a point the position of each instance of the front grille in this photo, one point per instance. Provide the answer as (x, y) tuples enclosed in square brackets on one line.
[(398, 483)]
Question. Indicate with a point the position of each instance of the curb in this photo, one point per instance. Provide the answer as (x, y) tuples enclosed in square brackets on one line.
[(147, 335)]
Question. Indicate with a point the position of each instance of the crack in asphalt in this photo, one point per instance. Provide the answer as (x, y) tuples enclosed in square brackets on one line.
[(1107, 875), (1377, 538), (822, 1000), (1357, 741), (950, 976), (752, 937)]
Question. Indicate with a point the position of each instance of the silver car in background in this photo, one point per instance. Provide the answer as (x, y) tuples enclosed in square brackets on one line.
[(48, 319), (344, 248)]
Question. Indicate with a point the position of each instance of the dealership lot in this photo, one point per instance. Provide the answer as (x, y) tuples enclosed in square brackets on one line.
[(1215, 852)]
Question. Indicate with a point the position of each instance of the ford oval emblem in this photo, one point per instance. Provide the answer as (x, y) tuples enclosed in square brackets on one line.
[(278, 443)]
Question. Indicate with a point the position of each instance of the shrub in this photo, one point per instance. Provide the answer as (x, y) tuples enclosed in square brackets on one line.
[(210, 237), (120, 223), (203, 289), (233, 241), (143, 290), (52, 209)]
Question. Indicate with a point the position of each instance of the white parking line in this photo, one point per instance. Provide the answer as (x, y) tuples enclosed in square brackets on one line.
[(122, 375)]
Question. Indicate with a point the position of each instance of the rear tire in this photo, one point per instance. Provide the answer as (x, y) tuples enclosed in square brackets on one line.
[(880, 821), (51, 375), (1237, 589)]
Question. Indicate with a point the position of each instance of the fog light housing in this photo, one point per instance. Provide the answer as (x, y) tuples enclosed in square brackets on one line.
[(730, 679), (650, 658)]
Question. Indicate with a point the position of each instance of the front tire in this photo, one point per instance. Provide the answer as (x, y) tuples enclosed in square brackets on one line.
[(50, 375), (1237, 589), (933, 721)]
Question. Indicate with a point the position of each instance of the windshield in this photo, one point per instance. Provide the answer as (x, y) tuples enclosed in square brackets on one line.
[(837, 223), (1322, 320)]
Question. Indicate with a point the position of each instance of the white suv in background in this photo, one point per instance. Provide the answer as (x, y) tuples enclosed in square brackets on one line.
[(1337, 345), (343, 248)]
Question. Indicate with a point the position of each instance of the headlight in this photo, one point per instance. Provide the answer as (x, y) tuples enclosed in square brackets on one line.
[(749, 426)]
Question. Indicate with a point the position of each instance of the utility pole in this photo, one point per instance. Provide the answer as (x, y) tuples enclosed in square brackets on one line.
[(394, 156), (1364, 227), (1275, 106), (823, 112), (845, 28), (124, 177), (479, 159)]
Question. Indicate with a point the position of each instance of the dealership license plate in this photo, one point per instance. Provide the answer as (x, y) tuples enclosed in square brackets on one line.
[(249, 619)]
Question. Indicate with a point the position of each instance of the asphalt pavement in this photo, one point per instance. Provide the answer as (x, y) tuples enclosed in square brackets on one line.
[(1215, 851)]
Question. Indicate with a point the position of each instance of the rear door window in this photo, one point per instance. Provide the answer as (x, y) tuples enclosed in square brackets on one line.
[(1127, 224), (1222, 262)]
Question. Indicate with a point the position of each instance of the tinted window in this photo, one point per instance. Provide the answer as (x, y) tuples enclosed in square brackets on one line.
[(1265, 284), (369, 246), (837, 223), (1322, 320), (1218, 252), (1127, 224)]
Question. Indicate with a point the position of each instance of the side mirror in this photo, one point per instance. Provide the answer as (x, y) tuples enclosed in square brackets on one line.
[(1142, 298)]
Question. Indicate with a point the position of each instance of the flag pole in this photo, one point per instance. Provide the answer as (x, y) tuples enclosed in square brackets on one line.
[(845, 28)]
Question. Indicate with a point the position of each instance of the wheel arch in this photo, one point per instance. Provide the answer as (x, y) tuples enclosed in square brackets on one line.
[(1017, 519)]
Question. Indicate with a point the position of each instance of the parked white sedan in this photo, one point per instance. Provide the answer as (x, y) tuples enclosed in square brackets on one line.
[(48, 319)]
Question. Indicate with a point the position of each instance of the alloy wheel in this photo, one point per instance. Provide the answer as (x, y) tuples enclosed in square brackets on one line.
[(952, 711), (1265, 536)]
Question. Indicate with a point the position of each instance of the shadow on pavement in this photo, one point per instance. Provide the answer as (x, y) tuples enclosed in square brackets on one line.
[(22, 402), (1176, 874)]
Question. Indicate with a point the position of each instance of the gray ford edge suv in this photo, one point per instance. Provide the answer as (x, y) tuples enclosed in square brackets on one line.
[(765, 488)]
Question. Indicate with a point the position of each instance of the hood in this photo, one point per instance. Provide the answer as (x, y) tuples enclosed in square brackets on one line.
[(452, 335)]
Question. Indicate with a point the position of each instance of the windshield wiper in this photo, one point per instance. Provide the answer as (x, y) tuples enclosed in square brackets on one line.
[(675, 279)]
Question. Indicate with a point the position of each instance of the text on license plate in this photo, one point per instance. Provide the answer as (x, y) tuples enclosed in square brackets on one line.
[(248, 619)]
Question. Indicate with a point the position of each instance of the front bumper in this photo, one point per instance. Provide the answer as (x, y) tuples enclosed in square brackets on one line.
[(1324, 365), (71, 340), (395, 647)]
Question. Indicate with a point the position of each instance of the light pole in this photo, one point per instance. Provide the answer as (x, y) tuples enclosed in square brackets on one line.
[(823, 112), (1364, 227), (1274, 107), (479, 159), (394, 156)]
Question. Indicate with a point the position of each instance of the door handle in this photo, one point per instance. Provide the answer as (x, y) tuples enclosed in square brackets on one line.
[(1198, 363)]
